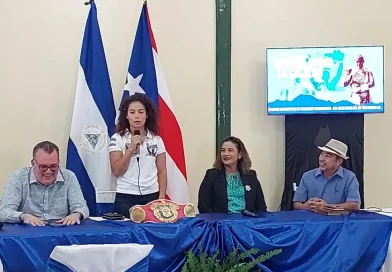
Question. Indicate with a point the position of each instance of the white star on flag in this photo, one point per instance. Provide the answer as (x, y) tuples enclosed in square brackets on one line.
[(133, 85)]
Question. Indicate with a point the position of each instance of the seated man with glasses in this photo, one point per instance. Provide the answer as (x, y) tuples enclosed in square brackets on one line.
[(42, 192)]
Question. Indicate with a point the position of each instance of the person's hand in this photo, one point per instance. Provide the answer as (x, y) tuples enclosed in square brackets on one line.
[(318, 205), (72, 219), (136, 141), (306, 205), (31, 220)]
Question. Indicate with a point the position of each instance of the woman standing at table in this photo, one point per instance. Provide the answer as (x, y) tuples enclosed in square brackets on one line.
[(231, 186), (137, 155)]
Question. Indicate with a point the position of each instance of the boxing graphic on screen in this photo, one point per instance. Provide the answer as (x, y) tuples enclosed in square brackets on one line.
[(361, 80), (325, 80)]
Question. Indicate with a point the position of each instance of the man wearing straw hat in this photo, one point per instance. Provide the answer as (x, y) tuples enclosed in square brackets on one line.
[(329, 185)]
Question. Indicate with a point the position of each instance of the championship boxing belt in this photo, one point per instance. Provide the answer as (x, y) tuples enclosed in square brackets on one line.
[(161, 210)]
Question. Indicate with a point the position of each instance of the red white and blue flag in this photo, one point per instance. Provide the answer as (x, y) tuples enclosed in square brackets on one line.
[(145, 75)]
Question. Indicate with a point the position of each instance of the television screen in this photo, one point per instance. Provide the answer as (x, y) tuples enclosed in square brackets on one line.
[(323, 80)]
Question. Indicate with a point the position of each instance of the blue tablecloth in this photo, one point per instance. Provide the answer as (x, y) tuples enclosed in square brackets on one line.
[(303, 241)]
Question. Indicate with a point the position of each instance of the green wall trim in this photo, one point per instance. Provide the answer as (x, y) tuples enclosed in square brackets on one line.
[(223, 70)]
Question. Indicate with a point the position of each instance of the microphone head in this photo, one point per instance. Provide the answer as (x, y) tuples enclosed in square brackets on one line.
[(248, 213), (136, 132)]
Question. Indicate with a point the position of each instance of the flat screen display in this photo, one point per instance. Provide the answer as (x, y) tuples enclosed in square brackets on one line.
[(325, 80)]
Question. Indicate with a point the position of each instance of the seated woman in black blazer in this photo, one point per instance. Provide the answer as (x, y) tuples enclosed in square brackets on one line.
[(231, 186)]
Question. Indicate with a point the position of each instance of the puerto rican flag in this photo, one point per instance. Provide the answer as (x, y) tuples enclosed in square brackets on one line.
[(145, 75)]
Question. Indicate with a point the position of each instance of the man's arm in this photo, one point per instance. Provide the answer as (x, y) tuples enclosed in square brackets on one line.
[(12, 198), (301, 196), (76, 201), (299, 206), (348, 78), (353, 199), (371, 80), (350, 206)]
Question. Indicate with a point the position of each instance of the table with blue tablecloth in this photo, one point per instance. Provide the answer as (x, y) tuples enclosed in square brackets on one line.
[(301, 240)]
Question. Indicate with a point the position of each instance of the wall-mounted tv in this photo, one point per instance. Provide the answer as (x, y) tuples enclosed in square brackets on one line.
[(325, 80)]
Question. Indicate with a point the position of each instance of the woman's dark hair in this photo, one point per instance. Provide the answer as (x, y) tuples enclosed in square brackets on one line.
[(244, 164), (151, 113)]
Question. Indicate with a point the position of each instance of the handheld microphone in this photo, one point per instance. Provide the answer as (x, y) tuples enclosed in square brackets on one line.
[(248, 213), (137, 133)]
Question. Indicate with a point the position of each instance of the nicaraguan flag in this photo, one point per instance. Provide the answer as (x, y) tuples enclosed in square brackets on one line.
[(93, 122), (145, 75)]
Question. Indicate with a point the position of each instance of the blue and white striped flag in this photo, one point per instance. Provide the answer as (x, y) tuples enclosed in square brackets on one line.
[(93, 122)]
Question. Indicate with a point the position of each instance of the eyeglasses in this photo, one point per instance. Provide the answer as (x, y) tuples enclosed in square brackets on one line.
[(43, 167)]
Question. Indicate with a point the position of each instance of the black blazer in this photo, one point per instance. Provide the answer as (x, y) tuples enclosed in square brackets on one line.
[(213, 192)]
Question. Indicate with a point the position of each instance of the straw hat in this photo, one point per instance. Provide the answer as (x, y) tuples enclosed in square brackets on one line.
[(336, 147)]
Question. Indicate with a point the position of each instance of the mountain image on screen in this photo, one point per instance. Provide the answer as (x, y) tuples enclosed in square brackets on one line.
[(311, 101)]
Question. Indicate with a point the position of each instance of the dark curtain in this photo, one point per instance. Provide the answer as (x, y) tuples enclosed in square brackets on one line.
[(305, 132)]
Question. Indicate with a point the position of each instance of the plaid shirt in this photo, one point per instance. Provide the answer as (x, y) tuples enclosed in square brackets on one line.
[(24, 194)]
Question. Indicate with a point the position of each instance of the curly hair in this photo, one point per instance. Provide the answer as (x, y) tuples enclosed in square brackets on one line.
[(244, 164), (151, 112)]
